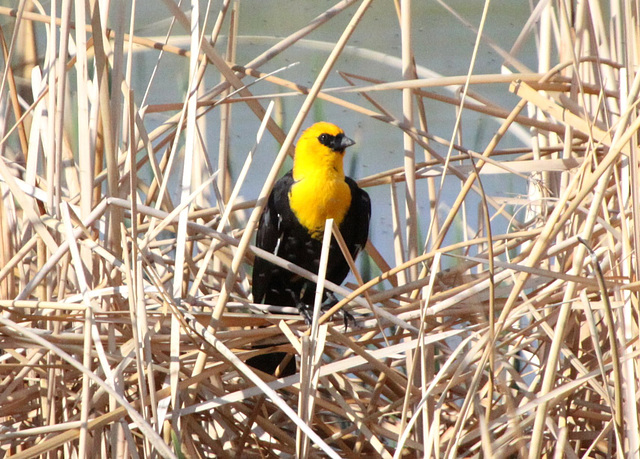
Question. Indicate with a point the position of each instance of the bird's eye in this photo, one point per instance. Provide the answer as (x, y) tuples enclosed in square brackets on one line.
[(324, 139)]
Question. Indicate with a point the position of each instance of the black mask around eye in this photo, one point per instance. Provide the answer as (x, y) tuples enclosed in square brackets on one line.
[(335, 142)]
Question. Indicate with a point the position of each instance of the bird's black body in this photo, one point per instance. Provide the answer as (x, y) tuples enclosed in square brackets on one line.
[(280, 233), (292, 227)]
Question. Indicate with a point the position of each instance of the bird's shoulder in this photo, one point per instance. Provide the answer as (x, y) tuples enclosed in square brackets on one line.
[(279, 202), (275, 212), (360, 199), (280, 191)]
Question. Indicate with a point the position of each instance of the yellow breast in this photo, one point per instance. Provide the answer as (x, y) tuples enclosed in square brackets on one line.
[(317, 198)]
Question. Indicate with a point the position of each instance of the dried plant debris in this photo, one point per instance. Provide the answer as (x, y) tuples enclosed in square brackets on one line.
[(495, 306)]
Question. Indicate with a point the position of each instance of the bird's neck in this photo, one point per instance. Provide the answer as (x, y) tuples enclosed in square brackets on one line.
[(321, 169)]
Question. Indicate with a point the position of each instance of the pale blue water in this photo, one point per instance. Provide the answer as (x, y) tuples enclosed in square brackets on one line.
[(441, 44)]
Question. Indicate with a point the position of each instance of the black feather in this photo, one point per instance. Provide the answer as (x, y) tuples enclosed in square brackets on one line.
[(280, 228)]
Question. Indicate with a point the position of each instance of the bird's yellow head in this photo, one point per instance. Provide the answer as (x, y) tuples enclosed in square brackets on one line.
[(320, 149)]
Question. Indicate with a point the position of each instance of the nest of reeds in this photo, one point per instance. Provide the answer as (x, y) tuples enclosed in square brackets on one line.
[(487, 324)]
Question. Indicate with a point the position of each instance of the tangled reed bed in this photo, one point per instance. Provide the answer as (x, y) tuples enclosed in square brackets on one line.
[(525, 346)]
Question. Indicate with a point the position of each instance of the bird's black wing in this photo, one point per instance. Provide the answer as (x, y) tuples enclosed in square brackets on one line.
[(357, 219), (269, 234), (269, 237), (355, 232)]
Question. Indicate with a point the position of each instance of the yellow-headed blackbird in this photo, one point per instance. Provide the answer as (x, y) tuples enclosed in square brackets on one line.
[(292, 224)]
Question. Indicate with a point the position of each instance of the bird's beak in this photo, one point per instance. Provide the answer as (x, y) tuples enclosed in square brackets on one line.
[(344, 143)]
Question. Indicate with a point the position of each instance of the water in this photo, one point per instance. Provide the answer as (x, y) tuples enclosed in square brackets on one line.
[(442, 44)]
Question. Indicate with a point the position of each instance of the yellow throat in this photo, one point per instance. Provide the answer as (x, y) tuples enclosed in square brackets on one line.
[(319, 191)]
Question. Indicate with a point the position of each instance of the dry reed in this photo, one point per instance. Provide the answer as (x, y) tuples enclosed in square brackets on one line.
[(526, 346)]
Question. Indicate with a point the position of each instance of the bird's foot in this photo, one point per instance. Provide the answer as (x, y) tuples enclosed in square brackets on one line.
[(307, 311), (346, 316), (330, 302)]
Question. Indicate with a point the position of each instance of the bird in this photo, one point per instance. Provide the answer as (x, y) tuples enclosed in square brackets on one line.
[(292, 223)]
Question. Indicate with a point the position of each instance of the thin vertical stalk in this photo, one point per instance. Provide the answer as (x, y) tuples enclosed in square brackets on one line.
[(408, 72), (187, 172), (85, 156), (224, 180), (312, 349), (108, 140), (60, 97)]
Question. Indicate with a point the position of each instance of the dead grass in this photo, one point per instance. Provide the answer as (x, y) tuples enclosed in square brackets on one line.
[(527, 347)]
